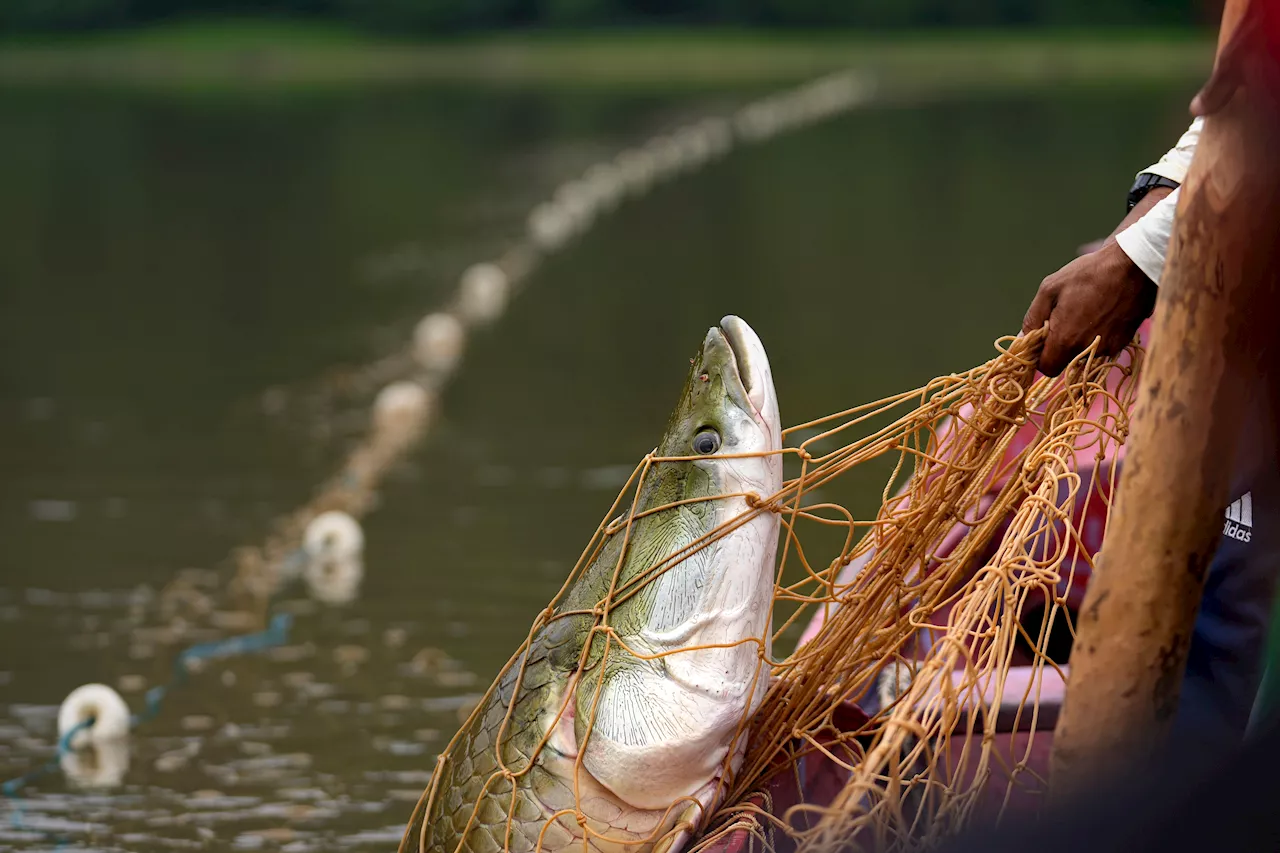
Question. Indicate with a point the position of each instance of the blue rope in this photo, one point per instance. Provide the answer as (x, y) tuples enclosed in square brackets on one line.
[(13, 786), (276, 634)]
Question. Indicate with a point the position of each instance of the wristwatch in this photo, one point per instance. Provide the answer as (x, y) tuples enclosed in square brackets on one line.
[(1145, 183)]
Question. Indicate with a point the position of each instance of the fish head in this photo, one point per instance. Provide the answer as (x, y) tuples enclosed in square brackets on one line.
[(697, 535), (727, 418)]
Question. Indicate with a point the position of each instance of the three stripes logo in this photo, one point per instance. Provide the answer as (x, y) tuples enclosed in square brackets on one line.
[(1239, 524)]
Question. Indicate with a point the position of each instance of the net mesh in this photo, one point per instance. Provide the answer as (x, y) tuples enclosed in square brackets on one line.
[(923, 688)]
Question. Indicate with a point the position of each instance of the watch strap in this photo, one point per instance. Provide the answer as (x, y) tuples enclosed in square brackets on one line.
[(1146, 182)]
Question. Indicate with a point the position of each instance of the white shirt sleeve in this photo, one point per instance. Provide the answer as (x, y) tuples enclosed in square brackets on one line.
[(1146, 241), (1175, 163)]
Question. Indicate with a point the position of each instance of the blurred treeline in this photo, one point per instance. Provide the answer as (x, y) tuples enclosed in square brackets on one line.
[(428, 16)]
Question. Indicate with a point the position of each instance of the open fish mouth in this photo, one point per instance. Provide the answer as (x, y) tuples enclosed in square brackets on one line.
[(750, 367), (747, 349)]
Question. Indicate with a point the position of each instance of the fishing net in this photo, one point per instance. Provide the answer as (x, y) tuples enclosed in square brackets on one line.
[(933, 636)]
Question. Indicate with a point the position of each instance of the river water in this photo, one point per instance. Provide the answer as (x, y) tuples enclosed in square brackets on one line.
[(184, 279)]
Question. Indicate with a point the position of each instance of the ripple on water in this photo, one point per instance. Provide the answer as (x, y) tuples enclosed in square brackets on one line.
[(381, 837), (336, 760)]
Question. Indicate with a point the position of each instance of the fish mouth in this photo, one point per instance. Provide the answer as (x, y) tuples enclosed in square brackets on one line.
[(749, 361)]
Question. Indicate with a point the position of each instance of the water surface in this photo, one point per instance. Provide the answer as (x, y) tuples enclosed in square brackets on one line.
[(181, 281)]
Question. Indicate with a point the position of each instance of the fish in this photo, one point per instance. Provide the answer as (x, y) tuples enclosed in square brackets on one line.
[(623, 739)]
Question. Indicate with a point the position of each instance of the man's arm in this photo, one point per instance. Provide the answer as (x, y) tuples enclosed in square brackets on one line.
[(1101, 294), (1109, 292), (1147, 241)]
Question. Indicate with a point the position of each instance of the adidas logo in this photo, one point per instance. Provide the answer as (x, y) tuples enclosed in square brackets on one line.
[(1239, 524)]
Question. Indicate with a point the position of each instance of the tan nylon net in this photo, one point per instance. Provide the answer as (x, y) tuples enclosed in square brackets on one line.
[(980, 528)]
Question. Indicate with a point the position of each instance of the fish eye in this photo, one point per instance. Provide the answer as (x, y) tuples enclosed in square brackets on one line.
[(706, 442)]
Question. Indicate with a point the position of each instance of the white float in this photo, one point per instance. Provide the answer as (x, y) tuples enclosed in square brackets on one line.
[(333, 535), (97, 766), (400, 405), (334, 581), (578, 204), (482, 294), (694, 145), (667, 156), (606, 184), (719, 134), (759, 121), (637, 169), (438, 342), (100, 703), (549, 226), (97, 756)]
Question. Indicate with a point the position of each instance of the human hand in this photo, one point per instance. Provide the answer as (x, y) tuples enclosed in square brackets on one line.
[(1099, 295), (1073, 330)]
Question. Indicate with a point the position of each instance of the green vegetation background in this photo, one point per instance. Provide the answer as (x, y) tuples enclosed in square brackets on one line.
[(442, 16)]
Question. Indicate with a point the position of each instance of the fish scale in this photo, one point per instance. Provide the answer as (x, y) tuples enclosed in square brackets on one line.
[(468, 775)]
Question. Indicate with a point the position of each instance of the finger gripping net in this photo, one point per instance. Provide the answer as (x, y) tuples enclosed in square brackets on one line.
[(919, 693)]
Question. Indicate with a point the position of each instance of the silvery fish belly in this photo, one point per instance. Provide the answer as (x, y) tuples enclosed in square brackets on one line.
[(619, 724)]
